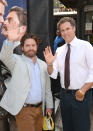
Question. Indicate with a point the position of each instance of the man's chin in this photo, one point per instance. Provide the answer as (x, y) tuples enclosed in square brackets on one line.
[(31, 56)]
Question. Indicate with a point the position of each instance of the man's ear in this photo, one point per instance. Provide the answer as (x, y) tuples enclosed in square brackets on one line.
[(22, 29)]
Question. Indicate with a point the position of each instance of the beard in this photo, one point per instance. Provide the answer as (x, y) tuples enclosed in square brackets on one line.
[(30, 53)]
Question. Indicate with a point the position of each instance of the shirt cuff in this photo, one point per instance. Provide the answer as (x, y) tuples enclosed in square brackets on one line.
[(15, 44), (53, 75)]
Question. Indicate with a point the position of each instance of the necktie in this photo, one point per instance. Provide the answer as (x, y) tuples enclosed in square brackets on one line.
[(67, 68)]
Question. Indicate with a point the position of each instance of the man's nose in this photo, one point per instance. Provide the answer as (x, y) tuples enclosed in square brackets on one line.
[(31, 48), (2, 20), (5, 22)]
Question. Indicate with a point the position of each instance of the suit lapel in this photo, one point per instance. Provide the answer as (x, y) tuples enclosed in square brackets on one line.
[(28, 66), (41, 71)]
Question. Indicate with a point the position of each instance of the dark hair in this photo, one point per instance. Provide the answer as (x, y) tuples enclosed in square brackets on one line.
[(21, 13), (3, 2), (66, 19), (32, 36)]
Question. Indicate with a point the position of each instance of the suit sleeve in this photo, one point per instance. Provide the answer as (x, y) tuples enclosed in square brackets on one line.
[(6, 55), (49, 97)]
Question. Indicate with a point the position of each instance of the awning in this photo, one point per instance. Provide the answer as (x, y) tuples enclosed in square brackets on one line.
[(71, 3)]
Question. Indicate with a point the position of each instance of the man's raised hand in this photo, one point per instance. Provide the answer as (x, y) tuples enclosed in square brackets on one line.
[(49, 56)]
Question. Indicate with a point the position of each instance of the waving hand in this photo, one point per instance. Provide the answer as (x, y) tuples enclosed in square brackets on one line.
[(49, 56)]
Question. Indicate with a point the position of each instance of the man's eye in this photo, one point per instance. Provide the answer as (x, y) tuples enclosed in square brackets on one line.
[(8, 19)]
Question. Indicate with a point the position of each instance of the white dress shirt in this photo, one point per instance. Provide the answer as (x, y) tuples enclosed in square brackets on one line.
[(35, 93), (81, 63)]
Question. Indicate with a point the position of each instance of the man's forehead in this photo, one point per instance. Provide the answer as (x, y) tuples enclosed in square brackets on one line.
[(12, 14)]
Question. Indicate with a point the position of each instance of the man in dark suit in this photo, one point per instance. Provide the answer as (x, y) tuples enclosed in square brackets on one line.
[(3, 122), (20, 15)]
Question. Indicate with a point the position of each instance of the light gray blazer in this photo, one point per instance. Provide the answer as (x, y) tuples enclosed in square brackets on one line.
[(19, 85)]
